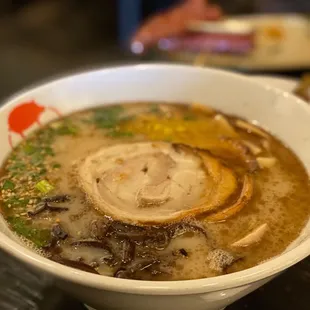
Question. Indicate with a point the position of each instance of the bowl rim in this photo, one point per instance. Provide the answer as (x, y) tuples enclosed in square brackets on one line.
[(262, 271)]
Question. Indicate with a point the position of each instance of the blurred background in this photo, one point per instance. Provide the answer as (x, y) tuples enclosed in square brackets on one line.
[(43, 38), (40, 39)]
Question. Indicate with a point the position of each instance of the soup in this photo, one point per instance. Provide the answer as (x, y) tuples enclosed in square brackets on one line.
[(155, 191)]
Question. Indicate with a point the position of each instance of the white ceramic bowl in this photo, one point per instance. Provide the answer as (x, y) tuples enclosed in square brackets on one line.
[(283, 114)]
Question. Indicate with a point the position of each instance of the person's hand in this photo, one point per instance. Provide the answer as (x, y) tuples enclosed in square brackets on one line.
[(172, 23)]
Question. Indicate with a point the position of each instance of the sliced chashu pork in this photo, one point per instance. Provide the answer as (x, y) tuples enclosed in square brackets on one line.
[(154, 183)]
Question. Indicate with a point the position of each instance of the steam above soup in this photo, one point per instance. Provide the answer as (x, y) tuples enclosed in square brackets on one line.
[(155, 192)]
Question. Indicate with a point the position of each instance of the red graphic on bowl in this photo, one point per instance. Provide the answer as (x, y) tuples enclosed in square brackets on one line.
[(24, 116)]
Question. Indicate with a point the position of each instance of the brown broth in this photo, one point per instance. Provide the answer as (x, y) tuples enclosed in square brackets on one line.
[(281, 193)]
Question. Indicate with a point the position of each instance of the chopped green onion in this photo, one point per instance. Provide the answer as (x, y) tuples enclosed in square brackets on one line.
[(107, 117), (189, 117), (155, 109), (40, 237), (37, 159), (48, 151), (17, 166), (29, 149), (44, 187), (67, 129), (15, 201), (119, 134), (7, 184)]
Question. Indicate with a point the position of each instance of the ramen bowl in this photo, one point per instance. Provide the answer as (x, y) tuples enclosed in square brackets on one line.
[(284, 115)]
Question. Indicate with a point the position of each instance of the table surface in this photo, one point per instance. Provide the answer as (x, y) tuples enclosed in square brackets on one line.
[(22, 64)]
